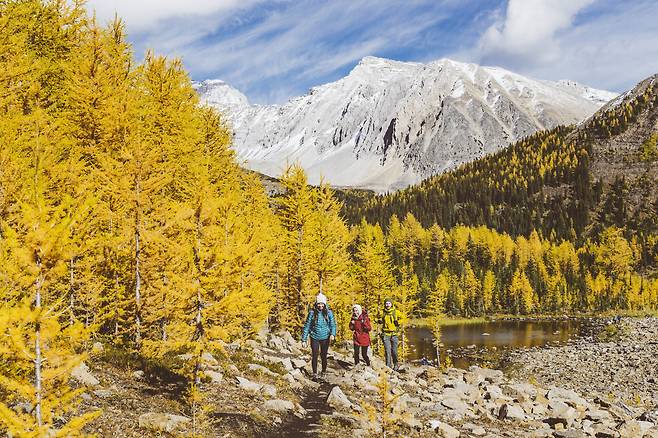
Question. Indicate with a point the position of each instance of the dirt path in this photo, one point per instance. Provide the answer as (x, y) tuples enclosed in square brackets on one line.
[(315, 403)]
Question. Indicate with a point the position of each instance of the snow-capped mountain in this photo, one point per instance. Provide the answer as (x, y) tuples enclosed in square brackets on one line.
[(388, 124)]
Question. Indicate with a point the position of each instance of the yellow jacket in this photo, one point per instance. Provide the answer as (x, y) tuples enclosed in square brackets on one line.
[(389, 321)]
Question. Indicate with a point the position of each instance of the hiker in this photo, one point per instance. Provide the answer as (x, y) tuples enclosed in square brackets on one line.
[(390, 327), (321, 327), (360, 325)]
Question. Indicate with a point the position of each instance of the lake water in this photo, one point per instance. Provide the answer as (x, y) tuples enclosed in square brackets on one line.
[(484, 343)]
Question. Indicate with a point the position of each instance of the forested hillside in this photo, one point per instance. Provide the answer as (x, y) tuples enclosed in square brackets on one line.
[(554, 181), (563, 220)]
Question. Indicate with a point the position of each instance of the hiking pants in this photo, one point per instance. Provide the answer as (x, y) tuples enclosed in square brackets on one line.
[(363, 350), (391, 350), (322, 347)]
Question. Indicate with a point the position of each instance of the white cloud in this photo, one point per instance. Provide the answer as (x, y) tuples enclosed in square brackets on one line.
[(606, 44), (145, 15), (529, 29)]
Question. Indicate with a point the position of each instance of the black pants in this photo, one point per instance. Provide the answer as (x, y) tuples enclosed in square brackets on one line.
[(364, 353), (322, 347)]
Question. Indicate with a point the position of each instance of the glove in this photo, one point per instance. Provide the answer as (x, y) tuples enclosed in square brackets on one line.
[(304, 344), (332, 338)]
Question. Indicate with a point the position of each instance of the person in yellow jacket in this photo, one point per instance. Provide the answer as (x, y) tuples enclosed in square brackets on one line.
[(390, 328)]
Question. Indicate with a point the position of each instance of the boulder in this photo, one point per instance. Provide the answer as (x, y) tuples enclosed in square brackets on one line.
[(567, 396), (209, 359), (521, 391), (103, 393), (337, 399), (560, 412), (261, 369), (511, 411), (443, 429), (569, 433), (275, 342), (248, 385), (294, 384), (289, 339), (161, 422), (214, 376), (97, 348), (82, 375), (492, 376), (474, 429), (254, 345), (493, 393), (279, 405), (455, 404), (634, 428), (268, 390)]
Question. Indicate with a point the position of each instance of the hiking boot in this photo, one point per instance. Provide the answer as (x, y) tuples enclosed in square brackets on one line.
[(323, 375), (314, 377), (396, 367)]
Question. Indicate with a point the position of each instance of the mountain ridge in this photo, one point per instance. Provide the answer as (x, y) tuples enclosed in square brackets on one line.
[(388, 124)]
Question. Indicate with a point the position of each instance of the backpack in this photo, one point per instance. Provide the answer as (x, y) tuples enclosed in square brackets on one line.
[(314, 321)]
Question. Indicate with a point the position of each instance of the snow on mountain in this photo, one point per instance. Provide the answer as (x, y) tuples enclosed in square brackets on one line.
[(389, 124)]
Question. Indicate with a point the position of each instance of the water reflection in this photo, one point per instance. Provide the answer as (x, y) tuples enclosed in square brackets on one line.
[(466, 344)]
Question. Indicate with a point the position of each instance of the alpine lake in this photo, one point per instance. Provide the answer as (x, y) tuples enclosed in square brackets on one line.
[(486, 343)]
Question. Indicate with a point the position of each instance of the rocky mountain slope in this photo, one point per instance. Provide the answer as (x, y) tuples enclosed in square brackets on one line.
[(389, 124)]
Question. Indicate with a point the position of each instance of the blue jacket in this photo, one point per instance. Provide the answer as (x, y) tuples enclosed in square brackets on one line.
[(322, 328)]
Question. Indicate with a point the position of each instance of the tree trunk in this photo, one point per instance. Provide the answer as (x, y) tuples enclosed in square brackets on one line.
[(138, 289), (37, 348), (71, 291), (138, 274)]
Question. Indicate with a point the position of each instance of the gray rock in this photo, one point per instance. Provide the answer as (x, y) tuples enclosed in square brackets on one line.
[(475, 429), (493, 392), (214, 376), (82, 375), (569, 433), (294, 384), (209, 359), (161, 422), (338, 400), (511, 411), (268, 390), (261, 369), (455, 404), (103, 393), (248, 385), (279, 405), (568, 396), (97, 348), (443, 429), (634, 428), (492, 376)]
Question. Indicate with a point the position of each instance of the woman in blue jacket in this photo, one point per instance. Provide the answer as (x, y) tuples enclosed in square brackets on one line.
[(321, 327)]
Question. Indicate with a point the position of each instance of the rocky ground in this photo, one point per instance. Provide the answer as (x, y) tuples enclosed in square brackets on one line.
[(261, 388), (623, 367)]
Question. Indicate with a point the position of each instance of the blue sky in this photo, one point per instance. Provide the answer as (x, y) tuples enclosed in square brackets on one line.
[(273, 50)]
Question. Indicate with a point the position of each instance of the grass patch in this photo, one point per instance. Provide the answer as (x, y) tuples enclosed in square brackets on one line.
[(165, 369), (448, 321), (460, 320)]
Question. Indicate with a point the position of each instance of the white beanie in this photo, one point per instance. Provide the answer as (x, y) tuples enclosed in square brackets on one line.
[(321, 298), (358, 309)]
